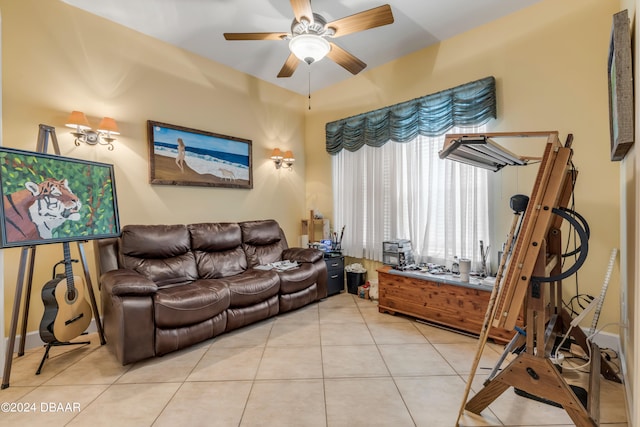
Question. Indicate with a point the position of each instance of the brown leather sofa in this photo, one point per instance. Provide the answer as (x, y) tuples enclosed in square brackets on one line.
[(166, 287)]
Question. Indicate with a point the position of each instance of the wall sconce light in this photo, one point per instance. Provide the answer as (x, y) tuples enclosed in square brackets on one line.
[(83, 133), (285, 160)]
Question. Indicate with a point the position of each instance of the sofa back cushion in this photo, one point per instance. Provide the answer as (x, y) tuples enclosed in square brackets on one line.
[(218, 249), (263, 241), (161, 253)]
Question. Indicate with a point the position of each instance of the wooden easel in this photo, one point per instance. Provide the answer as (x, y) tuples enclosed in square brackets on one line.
[(29, 252), (535, 258), (533, 371)]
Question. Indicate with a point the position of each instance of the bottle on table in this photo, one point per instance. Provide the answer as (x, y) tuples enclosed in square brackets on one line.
[(455, 266)]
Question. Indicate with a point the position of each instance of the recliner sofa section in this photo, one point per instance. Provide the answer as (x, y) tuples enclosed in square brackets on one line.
[(167, 287)]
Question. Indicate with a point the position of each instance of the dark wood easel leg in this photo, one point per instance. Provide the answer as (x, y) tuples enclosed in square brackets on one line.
[(92, 297), (14, 319), (27, 301)]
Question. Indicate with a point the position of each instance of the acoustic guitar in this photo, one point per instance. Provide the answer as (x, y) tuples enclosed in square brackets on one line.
[(67, 314)]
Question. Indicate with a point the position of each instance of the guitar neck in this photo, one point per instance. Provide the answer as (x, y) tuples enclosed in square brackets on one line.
[(68, 270)]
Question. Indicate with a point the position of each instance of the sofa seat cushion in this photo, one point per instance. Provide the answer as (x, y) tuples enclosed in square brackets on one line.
[(190, 304), (252, 287), (297, 279)]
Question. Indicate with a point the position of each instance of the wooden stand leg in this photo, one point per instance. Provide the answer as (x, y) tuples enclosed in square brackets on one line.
[(537, 376), (92, 297), (27, 301), (491, 391), (593, 405), (14, 319)]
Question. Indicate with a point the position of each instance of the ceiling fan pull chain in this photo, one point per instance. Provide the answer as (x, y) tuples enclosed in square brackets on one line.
[(309, 88)]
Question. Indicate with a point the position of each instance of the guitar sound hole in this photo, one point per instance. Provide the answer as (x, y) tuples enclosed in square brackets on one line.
[(71, 295)]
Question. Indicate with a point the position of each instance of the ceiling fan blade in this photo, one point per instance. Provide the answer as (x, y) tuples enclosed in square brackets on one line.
[(289, 66), (302, 8), (376, 17), (255, 36), (345, 59)]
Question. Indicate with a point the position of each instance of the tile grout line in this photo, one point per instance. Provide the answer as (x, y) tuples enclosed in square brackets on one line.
[(182, 383), (406, 406), (255, 375), (324, 380)]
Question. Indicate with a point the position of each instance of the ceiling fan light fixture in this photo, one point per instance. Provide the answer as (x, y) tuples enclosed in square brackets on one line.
[(309, 47)]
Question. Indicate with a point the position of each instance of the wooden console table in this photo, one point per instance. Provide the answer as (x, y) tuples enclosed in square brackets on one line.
[(438, 299)]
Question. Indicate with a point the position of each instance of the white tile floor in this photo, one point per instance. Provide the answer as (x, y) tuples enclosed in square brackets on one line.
[(335, 363)]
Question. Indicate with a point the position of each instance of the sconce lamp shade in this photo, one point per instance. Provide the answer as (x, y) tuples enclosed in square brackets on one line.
[(282, 160), (288, 156), (104, 135), (108, 125), (77, 119), (276, 154)]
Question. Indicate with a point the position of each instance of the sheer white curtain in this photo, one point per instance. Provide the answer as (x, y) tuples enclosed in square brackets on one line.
[(405, 191)]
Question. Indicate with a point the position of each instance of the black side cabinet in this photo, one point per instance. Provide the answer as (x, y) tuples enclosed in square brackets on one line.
[(335, 274)]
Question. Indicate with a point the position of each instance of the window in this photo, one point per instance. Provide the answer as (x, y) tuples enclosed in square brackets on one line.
[(405, 191)]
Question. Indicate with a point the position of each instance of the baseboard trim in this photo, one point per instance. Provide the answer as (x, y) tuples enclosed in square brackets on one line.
[(606, 340)]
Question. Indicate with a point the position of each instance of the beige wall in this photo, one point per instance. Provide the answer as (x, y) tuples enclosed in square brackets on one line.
[(550, 63), (57, 59), (630, 242)]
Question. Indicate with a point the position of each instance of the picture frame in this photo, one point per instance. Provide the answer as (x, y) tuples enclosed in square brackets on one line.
[(54, 199), (620, 82), (184, 156)]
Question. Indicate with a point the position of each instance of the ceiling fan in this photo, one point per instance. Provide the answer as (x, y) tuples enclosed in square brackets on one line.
[(310, 31)]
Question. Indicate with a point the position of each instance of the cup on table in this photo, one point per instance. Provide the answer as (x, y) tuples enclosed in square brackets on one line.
[(465, 267)]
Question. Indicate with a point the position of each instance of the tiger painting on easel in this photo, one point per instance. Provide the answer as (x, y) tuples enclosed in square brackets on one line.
[(33, 213), (54, 199)]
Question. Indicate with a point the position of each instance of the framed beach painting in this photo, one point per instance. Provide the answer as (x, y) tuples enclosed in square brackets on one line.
[(183, 156)]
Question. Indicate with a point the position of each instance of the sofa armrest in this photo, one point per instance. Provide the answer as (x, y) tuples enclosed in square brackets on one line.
[(128, 319), (123, 282), (302, 254)]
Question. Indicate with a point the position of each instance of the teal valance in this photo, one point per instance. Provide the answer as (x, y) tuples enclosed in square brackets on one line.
[(470, 104)]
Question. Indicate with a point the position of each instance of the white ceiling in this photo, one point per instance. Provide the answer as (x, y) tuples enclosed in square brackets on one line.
[(198, 25)]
